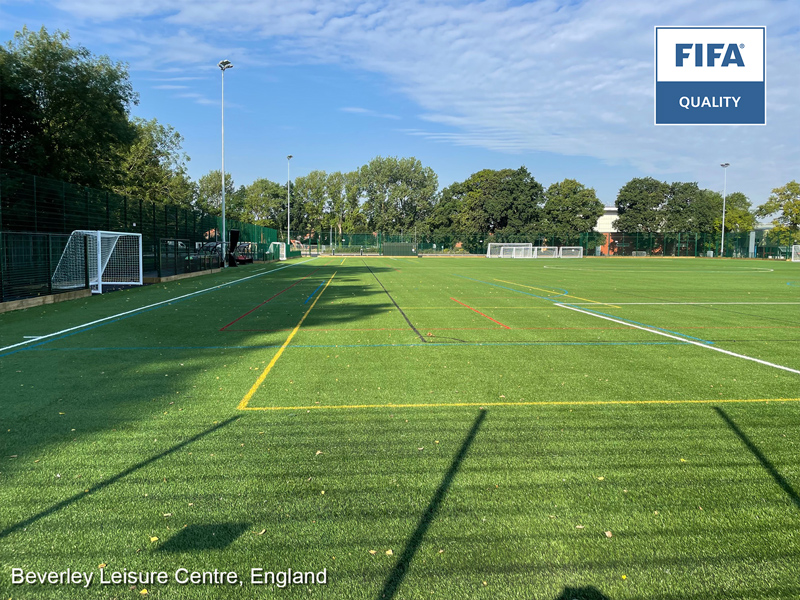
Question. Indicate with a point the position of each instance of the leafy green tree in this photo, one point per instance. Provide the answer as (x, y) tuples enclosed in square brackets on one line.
[(209, 194), (506, 202), (398, 193), (309, 201), (71, 110), (264, 203), (569, 210), (639, 203), (154, 166), (739, 214), (785, 201)]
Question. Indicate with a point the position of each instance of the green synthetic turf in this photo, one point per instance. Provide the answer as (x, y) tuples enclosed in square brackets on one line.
[(491, 453)]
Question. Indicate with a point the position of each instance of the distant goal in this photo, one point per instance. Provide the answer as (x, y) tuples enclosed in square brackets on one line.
[(509, 250), (103, 257), (796, 253), (570, 252)]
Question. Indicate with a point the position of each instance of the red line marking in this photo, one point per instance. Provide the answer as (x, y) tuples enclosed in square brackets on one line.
[(270, 298), (480, 313)]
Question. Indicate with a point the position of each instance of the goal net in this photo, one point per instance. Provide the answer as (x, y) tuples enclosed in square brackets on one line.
[(796, 253), (545, 252), (110, 257), (570, 252), (509, 250), (278, 249)]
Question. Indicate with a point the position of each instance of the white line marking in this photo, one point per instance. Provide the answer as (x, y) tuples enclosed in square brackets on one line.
[(675, 337), (634, 271), (31, 337), (135, 310), (687, 303)]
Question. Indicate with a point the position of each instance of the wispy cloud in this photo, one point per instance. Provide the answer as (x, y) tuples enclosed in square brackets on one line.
[(368, 113), (574, 78)]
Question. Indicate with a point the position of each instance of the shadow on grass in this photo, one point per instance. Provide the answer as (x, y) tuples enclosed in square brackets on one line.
[(400, 569), (111, 480), (779, 479), (198, 538), (583, 593)]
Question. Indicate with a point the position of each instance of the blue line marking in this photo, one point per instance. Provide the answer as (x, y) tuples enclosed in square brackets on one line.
[(314, 292), (592, 310)]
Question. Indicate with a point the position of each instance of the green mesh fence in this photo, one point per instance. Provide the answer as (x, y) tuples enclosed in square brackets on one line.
[(37, 206)]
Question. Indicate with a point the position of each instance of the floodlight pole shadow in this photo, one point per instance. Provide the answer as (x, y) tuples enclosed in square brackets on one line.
[(400, 569), (765, 462), (111, 480)]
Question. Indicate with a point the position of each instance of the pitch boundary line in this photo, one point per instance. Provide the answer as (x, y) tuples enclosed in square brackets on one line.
[(542, 403), (243, 404), (675, 337), (689, 303), (565, 294), (144, 308)]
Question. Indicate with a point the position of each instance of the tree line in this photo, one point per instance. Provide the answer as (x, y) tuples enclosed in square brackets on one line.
[(65, 114)]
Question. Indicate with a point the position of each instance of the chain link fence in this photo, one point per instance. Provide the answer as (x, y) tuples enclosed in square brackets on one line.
[(36, 213)]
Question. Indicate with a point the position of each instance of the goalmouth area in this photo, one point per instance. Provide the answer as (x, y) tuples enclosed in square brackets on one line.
[(411, 428)]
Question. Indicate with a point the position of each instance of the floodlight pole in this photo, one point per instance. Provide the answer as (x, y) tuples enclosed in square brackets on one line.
[(724, 194), (288, 206), (223, 65)]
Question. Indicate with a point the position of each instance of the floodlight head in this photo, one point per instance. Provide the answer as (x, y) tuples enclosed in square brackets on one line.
[(289, 157), (725, 165), (225, 64)]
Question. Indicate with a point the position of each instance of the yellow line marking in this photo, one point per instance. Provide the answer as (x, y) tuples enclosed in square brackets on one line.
[(554, 292), (341, 263), (263, 376), (543, 403)]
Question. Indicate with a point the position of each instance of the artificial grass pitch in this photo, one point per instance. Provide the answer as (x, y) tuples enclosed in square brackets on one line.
[(416, 429)]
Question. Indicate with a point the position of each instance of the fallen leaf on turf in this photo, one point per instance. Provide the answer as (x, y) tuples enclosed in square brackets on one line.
[(423, 448), (262, 532), (608, 534), (101, 566), (389, 552), (143, 592), (601, 479), (683, 460), (153, 538), (167, 514), (373, 552), (441, 551), (578, 526), (318, 453), (323, 492), (624, 576)]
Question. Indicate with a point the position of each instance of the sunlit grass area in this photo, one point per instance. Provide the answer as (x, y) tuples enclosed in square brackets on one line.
[(409, 428)]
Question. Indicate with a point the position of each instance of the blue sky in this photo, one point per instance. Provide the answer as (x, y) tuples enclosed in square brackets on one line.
[(564, 88)]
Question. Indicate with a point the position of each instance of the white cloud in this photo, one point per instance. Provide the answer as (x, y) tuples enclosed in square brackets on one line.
[(573, 78), (368, 113)]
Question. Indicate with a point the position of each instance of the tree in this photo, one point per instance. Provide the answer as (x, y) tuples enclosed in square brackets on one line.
[(154, 166), (786, 201), (639, 203), (739, 215), (399, 193), (570, 209), (309, 199), (209, 194), (506, 202), (70, 110), (264, 203)]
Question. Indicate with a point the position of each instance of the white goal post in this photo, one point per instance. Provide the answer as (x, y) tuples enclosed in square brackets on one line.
[(796, 253), (509, 250), (111, 258), (570, 252), (281, 249), (545, 252)]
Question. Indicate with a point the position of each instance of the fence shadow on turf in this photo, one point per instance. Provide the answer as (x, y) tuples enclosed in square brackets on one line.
[(765, 462), (583, 593), (109, 481), (400, 569), (199, 538)]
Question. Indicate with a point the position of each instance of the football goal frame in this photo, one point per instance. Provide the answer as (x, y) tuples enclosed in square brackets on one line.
[(509, 250), (570, 252), (796, 253), (104, 258)]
